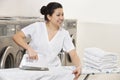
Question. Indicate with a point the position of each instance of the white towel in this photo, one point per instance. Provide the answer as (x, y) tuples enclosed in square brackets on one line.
[(94, 51), (100, 68), (98, 52), (112, 58), (99, 59), (98, 63), (56, 73), (89, 70)]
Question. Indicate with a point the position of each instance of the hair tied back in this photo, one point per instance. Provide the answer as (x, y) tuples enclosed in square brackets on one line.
[(43, 10)]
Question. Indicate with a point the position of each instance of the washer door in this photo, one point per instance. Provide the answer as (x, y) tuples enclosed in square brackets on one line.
[(7, 60), (18, 58)]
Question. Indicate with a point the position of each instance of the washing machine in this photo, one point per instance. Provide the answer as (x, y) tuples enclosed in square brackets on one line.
[(71, 26), (10, 53)]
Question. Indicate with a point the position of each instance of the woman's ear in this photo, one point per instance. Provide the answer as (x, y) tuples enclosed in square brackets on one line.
[(49, 17)]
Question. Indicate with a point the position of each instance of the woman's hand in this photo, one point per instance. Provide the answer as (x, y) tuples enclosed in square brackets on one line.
[(32, 54), (19, 38), (77, 72)]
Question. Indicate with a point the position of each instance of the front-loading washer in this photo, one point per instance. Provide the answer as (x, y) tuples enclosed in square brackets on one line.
[(8, 49)]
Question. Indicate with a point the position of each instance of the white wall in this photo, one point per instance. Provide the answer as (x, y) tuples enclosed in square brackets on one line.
[(18, 8), (102, 11), (101, 35), (22, 7)]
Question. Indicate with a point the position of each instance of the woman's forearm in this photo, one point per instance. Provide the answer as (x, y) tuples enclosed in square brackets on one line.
[(19, 39), (75, 59)]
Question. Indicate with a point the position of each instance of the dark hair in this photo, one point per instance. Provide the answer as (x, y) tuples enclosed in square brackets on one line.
[(49, 9)]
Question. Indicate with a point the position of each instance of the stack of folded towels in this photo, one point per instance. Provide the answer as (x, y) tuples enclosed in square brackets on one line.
[(99, 59)]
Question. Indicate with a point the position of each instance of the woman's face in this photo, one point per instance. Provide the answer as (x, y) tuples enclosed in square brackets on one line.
[(57, 17)]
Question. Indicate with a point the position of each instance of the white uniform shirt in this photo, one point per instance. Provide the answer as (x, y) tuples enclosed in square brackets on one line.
[(48, 49)]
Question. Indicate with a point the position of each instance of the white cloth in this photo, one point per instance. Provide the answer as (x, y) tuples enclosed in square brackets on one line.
[(55, 73), (99, 59), (100, 64), (41, 62), (97, 52), (112, 58), (58, 73), (103, 67), (48, 49), (90, 70)]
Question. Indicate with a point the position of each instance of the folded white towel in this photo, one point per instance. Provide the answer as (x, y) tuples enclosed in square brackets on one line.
[(94, 51), (110, 66), (99, 64), (112, 58), (99, 59), (89, 70), (98, 52)]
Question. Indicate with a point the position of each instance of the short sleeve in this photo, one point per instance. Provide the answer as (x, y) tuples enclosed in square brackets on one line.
[(67, 44), (29, 30)]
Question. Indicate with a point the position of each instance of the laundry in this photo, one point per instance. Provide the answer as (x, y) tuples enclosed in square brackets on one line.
[(97, 52), (110, 58), (99, 59), (54, 73), (33, 63)]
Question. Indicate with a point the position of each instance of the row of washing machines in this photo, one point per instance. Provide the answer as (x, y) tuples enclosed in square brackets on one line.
[(11, 54)]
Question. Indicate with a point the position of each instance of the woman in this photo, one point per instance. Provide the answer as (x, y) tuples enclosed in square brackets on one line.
[(48, 38)]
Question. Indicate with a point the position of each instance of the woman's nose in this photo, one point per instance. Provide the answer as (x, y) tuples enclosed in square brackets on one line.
[(62, 17)]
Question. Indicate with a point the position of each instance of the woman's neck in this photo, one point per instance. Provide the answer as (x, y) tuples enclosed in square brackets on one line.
[(52, 27)]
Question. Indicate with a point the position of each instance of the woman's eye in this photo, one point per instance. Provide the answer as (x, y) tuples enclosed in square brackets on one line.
[(58, 15)]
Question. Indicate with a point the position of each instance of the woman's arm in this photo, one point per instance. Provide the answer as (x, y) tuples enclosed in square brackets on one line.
[(76, 61), (74, 57), (19, 38)]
